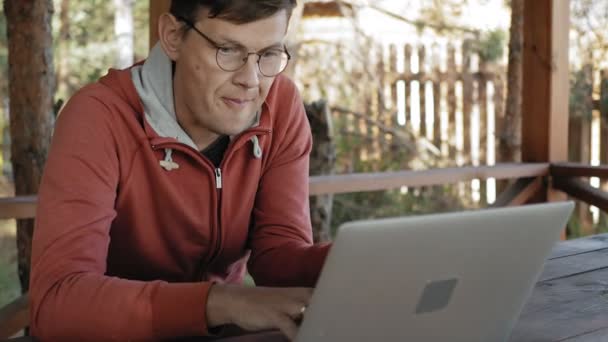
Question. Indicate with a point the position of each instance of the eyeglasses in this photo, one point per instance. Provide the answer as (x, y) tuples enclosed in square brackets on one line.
[(271, 62)]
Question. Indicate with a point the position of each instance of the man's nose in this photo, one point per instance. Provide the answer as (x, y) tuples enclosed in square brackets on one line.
[(248, 76)]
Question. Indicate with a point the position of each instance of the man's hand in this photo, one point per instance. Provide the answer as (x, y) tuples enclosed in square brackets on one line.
[(257, 308)]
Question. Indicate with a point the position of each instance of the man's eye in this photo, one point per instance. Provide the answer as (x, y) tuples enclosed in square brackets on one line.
[(229, 51), (272, 53)]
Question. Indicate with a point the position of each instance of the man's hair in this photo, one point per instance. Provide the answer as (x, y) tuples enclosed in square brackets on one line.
[(235, 11)]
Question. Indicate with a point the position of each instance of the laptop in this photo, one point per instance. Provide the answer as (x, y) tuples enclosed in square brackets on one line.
[(461, 276)]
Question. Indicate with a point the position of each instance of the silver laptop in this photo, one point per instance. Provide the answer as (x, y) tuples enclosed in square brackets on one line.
[(446, 277)]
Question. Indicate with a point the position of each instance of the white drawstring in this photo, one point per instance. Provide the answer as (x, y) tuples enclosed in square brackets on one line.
[(257, 150), (168, 163)]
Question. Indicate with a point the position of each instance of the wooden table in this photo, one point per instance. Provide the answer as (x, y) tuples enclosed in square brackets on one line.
[(568, 304), (570, 300)]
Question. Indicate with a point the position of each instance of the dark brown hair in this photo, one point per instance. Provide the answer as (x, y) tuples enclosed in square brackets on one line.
[(235, 11)]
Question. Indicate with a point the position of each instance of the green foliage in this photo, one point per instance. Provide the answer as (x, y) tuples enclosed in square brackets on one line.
[(91, 45), (491, 45), (9, 283), (574, 227), (391, 203), (581, 89)]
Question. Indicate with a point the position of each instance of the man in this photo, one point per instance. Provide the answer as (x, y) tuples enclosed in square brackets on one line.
[(162, 177)]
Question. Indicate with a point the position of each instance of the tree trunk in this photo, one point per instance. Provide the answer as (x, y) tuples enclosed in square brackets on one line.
[(62, 72), (155, 9), (123, 29), (322, 161), (31, 88), (509, 123)]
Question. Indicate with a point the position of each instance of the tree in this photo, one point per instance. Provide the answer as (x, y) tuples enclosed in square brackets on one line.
[(509, 123), (123, 29), (31, 89), (63, 43)]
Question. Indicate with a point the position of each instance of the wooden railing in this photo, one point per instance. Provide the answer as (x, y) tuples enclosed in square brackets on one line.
[(530, 179)]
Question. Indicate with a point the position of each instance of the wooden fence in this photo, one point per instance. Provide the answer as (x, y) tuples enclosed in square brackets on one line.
[(439, 102)]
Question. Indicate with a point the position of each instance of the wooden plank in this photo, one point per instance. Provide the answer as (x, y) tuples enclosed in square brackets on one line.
[(579, 246), (558, 268), (422, 90), (578, 170), (565, 308), (467, 99), (20, 207), (326, 9), (520, 192), (437, 114), (390, 180), (157, 7), (599, 335), (545, 91), (14, 317), (545, 81), (582, 191), (451, 101)]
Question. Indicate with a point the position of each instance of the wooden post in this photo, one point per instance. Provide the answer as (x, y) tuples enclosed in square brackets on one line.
[(157, 7), (467, 100), (31, 91), (436, 70), (422, 77), (390, 119), (381, 104), (579, 136), (604, 119), (482, 99), (451, 97), (407, 67), (603, 130), (545, 84)]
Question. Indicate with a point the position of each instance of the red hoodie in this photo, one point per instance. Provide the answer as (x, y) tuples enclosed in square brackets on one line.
[(126, 250)]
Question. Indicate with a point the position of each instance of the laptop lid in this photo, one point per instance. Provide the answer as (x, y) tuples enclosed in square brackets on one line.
[(461, 276)]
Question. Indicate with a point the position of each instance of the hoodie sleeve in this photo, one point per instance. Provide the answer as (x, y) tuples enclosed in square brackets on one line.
[(281, 242), (71, 298)]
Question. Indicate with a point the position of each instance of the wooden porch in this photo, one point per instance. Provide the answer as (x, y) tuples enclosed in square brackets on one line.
[(571, 288)]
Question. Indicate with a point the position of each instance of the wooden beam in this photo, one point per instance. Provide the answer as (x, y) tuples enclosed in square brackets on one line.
[(390, 180), (520, 192), (20, 207), (325, 9), (545, 90), (157, 7), (14, 317), (582, 191), (578, 170), (546, 81), (25, 206)]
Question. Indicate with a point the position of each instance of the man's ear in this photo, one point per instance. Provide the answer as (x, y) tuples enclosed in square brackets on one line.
[(170, 35)]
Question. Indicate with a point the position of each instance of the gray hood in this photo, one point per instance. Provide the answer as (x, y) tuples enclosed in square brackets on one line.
[(154, 84)]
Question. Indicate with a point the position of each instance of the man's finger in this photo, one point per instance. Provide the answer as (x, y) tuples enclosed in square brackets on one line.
[(287, 327), (296, 311)]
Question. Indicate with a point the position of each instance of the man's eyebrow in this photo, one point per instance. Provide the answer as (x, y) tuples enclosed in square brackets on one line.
[(225, 41)]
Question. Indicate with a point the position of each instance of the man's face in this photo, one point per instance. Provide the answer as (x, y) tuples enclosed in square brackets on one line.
[(211, 100)]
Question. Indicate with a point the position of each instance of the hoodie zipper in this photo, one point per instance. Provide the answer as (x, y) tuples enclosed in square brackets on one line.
[(219, 185), (215, 252)]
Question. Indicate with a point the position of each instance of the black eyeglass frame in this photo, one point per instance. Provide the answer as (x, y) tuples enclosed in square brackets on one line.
[(218, 47)]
